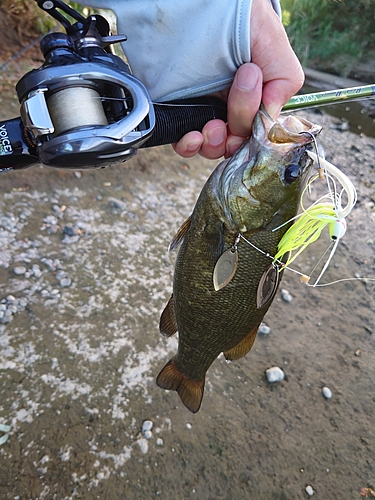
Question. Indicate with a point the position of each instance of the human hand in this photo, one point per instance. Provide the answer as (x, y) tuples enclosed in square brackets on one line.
[(273, 77)]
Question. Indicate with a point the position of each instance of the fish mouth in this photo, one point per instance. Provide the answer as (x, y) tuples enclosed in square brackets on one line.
[(277, 142), (284, 140), (286, 130), (253, 179)]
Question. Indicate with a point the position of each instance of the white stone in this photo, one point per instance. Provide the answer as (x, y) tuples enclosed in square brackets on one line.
[(65, 282), (264, 329), (275, 374), (4, 438), (143, 444), (286, 295), (309, 490), (147, 434), (188, 426), (159, 442), (327, 393), (19, 270), (147, 425)]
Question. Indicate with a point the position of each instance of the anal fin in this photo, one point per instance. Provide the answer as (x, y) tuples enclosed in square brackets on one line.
[(168, 325), (190, 391), (243, 347)]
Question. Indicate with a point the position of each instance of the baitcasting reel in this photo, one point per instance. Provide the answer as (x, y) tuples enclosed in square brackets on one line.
[(83, 109)]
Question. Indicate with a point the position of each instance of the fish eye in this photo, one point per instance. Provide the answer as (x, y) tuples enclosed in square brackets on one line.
[(292, 172)]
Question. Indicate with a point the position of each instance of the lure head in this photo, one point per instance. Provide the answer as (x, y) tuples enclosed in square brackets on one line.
[(337, 229), (268, 172)]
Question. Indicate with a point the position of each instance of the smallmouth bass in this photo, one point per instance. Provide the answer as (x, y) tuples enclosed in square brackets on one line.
[(255, 191)]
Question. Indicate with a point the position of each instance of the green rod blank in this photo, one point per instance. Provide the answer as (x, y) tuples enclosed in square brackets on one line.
[(329, 97)]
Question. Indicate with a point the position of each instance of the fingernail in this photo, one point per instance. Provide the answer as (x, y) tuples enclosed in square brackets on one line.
[(216, 136), (273, 110), (246, 78), (232, 145), (194, 146)]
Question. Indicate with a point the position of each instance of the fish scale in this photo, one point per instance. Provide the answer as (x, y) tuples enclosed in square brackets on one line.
[(257, 190)]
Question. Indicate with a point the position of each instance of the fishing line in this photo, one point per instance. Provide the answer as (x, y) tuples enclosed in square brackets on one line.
[(322, 257), (69, 117), (165, 104), (107, 98), (278, 262), (191, 105), (25, 49), (340, 280), (306, 227), (304, 278)]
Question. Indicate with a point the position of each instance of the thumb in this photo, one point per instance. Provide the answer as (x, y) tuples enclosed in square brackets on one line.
[(244, 99), (276, 93)]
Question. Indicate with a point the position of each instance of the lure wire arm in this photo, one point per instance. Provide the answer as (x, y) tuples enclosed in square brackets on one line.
[(344, 181)]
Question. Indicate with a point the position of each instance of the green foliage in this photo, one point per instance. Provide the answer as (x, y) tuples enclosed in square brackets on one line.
[(330, 34), (33, 19)]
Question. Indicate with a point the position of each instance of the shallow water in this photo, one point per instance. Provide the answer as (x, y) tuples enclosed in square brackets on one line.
[(357, 116)]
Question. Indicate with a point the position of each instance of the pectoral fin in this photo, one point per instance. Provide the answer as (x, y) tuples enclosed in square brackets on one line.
[(190, 391), (179, 236), (168, 325), (243, 347)]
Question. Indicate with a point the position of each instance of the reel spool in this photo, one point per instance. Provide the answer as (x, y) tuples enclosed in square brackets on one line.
[(76, 107)]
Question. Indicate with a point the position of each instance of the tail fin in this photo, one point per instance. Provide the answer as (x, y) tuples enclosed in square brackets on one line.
[(190, 391)]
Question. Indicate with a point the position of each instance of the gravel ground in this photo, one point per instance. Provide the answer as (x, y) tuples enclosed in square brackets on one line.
[(84, 275)]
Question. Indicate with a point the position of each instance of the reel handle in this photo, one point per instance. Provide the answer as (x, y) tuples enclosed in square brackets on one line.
[(174, 119)]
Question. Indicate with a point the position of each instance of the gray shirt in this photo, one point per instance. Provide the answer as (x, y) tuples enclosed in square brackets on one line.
[(180, 48)]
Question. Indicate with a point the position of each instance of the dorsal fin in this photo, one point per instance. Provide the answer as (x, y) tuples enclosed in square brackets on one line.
[(243, 347), (179, 236), (190, 391), (168, 325)]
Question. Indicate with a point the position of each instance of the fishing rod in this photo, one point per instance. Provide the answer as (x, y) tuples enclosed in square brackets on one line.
[(83, 109), (329, 97)]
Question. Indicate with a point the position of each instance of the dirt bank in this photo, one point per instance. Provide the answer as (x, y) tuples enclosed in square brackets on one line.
[(84, 275)]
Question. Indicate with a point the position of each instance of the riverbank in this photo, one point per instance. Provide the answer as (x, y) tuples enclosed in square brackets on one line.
[(84, 275)]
